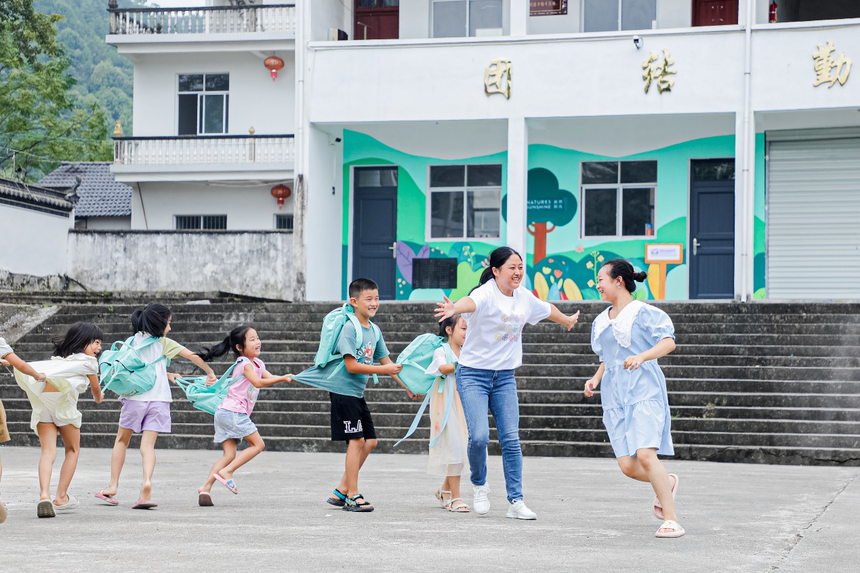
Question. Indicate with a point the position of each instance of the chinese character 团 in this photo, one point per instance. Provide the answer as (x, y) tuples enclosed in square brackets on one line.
[(657, 70), (829, 70), (497, 78)]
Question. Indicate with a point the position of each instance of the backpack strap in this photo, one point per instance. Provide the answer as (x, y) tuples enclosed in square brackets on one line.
[(145, 344), (449, 403), (416, 420)]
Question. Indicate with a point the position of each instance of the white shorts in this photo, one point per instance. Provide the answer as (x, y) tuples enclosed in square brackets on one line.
[(49, 409)]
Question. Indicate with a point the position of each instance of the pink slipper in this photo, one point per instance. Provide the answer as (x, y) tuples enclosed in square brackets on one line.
[(108, 499), (228, 483), (658, 509), (144, 504)]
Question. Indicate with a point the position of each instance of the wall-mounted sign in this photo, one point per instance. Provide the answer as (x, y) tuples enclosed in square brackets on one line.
[(657, 70), (547, 7), (829, 69), (547, 204), (497, 78), (665, 253)]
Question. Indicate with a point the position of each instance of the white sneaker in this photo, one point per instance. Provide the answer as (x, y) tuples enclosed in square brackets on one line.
[(518, 510), (481, 505)]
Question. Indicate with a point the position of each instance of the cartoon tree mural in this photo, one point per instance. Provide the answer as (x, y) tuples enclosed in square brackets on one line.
[(548, 207)]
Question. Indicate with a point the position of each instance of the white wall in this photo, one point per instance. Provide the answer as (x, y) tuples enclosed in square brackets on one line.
[(33, 242), (253, 264), (108, 223), (324, 215), (255, 100), (248, 206), (329, 14)]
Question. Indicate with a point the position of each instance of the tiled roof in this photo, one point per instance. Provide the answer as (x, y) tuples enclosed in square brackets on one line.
[(100, 195), (41, 199)]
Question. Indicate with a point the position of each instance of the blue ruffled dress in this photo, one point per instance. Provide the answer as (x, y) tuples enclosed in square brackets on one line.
[(635, 402)]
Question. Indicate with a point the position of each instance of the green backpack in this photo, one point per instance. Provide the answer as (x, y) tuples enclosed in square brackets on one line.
[(124, 372), (333, 323), (415, 358), (208, 398)]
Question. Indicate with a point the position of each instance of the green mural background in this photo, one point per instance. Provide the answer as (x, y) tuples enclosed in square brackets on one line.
[(569, 269)]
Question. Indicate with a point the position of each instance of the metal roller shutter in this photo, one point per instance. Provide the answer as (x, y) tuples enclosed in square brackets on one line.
[(813, 219)]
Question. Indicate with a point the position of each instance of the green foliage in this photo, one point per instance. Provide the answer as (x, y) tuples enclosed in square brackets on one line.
[(42, 119)]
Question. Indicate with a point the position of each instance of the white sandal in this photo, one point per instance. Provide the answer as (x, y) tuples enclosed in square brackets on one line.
[(675, 530), (442, 503), (458, 507)]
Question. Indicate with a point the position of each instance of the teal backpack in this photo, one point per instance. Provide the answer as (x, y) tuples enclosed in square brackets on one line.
[(333, 323), (208, 398), (415, 359), (124, 372), (419, 358)]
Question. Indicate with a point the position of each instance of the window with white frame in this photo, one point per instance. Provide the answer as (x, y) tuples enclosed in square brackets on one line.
[(618, 198), (459, 18), (204, 102), (611, 15), (200, 222), (465, 201)]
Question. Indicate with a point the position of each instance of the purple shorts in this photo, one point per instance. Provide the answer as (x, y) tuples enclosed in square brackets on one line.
[(141, 416)]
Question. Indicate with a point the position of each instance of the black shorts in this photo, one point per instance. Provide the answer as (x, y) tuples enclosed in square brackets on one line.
[(350, 419)]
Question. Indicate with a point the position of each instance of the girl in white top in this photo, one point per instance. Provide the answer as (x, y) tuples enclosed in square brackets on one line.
[(448, 433), (496, 312), (73, 367)]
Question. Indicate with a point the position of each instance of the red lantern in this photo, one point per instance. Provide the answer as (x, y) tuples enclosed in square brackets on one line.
[(281, 192), (774, 7), (273, 64)]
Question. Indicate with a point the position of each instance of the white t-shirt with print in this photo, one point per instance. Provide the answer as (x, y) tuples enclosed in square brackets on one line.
[(494, 334)]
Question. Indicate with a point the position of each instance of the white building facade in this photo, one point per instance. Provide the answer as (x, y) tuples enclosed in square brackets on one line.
[(713, 148)]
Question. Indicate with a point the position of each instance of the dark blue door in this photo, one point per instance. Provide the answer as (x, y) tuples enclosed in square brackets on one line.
[(374, 254), (711, 251)]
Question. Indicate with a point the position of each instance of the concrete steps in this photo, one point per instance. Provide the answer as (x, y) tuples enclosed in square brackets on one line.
[(763, 382)]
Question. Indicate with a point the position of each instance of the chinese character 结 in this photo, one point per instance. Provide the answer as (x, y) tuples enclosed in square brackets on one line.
[(657, 70)]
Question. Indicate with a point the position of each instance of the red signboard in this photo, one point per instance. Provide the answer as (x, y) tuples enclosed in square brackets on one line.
[(547, 7)]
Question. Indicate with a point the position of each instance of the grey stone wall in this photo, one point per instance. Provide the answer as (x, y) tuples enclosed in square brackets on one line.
[(252, 263)]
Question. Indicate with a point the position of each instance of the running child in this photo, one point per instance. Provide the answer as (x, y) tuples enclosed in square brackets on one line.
[(345, 380), (628, 338), (73, 367), (448, 455), (232, 418), (9, 358), (148, 412)]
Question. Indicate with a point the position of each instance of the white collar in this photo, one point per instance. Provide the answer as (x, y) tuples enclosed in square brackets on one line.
[(622, 325)]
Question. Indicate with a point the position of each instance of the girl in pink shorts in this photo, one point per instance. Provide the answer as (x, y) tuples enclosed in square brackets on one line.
[(148, 412)]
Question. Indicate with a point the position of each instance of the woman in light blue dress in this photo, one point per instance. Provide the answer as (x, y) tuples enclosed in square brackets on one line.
[(629, 337)]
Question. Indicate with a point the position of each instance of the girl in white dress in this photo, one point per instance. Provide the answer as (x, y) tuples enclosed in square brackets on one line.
[(629, 337), (448, 433)]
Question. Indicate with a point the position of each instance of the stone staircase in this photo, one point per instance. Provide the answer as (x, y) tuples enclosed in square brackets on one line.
[(762, 382)]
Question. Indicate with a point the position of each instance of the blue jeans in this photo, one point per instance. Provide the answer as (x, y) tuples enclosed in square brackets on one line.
[(497, 390)]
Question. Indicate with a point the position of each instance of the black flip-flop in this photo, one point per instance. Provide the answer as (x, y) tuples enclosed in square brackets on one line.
[(341, 498), (352, 504)]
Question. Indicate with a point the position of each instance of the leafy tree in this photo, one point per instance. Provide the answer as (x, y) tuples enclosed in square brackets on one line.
[(547, 205), (42, 122)]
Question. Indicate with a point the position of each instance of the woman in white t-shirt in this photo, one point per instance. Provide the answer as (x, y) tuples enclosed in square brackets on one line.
[(496, 312)]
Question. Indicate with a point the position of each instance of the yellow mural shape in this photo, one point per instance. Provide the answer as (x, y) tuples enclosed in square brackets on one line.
[(571, 290), (541, 287)]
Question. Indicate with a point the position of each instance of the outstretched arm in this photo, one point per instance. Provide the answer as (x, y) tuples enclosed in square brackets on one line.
[(659, 350), (567, 321), (12, 360), (210, 374), (448, 308), (386, 361), (267, 379)]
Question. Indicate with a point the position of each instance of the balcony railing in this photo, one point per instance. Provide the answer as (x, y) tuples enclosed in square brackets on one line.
[(226, 150), (204, 20)]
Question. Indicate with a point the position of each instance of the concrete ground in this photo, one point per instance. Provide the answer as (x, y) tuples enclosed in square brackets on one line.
[(590, 518)]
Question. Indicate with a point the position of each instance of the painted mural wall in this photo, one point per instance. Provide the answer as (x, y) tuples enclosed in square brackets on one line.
[(560, 264)]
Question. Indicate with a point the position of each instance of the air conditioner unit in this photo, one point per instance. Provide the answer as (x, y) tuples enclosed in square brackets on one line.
[(337, 35)]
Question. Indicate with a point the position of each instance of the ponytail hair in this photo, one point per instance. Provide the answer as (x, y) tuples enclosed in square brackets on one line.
[(498, 258), (234, 339), (79, 336), (451, 322), (621, 268), (152, 320)]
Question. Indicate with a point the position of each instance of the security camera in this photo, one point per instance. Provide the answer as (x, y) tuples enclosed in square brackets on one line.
[(337, 140), (637, 41)]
